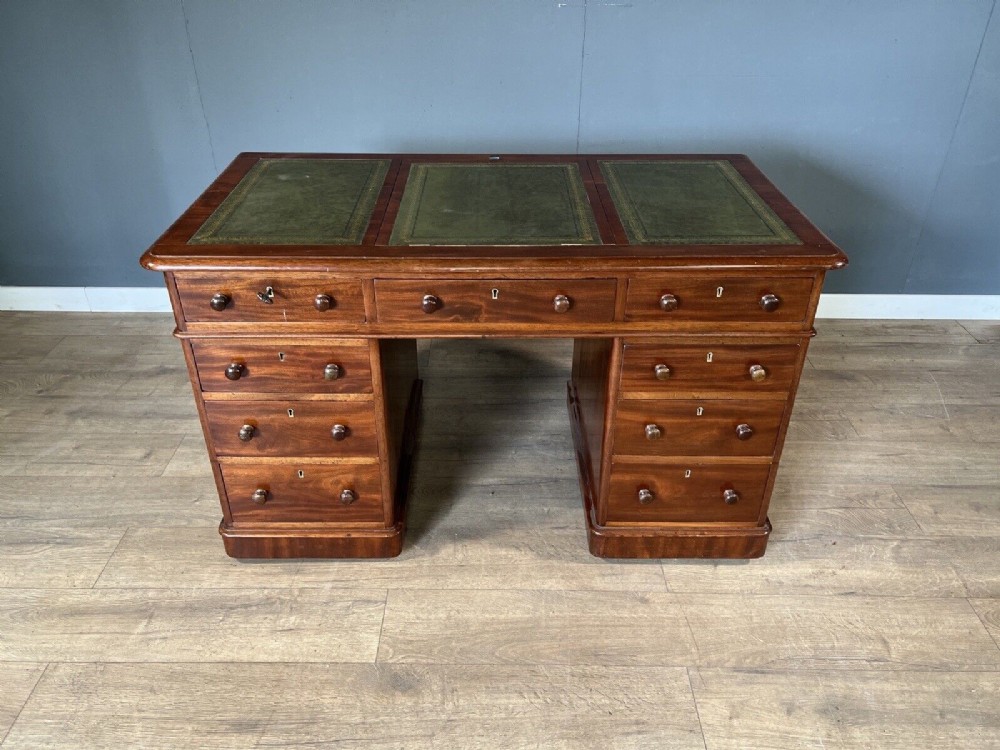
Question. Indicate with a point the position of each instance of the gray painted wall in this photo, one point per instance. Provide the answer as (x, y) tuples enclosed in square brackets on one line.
[(880, 118)]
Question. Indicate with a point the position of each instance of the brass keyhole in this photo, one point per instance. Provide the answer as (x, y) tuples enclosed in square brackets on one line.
[(495, 293), (291, 412)]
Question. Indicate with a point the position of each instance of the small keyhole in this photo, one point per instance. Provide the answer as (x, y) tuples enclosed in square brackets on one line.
[(281, 356), (708, 357), (699, 411), (302, 474), (718, 291), (495, 293), (291, 412), (687, 473)]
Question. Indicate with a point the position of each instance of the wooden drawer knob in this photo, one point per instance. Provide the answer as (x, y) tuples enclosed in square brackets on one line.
[(235, 371), (219, 301), (646, 496), (730, 497), (662, 372), (770, 302), (247, 432), (744, 431), (348, 496), (338, 432), (332, 372), (561, 303), (323, 302), (757, 373), (668, 303), (259, 496), (430, 303), (653, 432)]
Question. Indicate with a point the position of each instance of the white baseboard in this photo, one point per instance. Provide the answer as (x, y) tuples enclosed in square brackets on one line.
[(859, 306)]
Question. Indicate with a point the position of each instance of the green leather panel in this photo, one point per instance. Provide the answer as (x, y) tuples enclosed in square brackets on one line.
[(495, 204), (298, 202), (691, 203)]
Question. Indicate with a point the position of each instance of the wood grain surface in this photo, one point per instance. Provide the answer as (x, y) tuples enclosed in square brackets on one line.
[(872, 622)]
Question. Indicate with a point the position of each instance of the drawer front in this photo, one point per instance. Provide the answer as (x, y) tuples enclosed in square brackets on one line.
[(317, 496), (331, 429), (663, 369), (550, 301), (717, 299), (687, 493), (299, 298), (239, 366), (697, 427)]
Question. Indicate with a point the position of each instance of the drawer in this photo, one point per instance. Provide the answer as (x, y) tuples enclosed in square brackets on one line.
[(303, 493), (269, 298), (292, 428), (660, 370), (237, 365), (663, 427), (687, 492), (550, 301), (717, 299)]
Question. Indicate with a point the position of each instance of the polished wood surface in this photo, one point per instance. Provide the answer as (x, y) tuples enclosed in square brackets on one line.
[(331, 429), (283, 366), (291, 359), (872, 617)]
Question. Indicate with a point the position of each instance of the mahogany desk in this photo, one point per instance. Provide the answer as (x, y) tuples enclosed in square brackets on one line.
[(300, 283)]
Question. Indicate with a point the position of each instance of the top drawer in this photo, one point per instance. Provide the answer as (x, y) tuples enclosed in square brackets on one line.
[(265, 298), (550, 301), (718, 299)]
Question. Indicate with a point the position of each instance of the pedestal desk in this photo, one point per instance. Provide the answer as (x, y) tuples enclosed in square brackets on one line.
[(300, 283)]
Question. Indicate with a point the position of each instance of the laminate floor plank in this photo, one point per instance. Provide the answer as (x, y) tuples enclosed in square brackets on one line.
[(86, 323), (983, 331), (971, 511), (863, 332), (113, 455), (847, 711), (453, 557), (204, 625), (45, 556), (16, 683), (835, 566), (237, 706)]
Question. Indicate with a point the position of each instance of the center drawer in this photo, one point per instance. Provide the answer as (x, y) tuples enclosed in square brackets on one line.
[(292, 428), (306, 493), (662, 427), (550, 301)]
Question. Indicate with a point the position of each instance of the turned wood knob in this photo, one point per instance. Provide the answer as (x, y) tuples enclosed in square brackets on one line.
[(653, 432), (323, 302), (730, 497), (348, 496), (267, 296), (247, 432), (744, 431), (430, 303), (331, 372), (561, 303), (219, 301), (770, 302), (662, 372), (339, 431), (757, 373), (235, 371), (259, 496), (646, 496), (668, 303)]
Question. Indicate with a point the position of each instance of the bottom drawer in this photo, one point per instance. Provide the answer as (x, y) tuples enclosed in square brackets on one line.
[(303, 493), (691, 493)]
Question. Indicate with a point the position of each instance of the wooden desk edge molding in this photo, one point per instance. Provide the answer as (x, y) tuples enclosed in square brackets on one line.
[(300, 283)]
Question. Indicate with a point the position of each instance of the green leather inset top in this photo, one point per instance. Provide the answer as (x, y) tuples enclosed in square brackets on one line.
[(495, 204), (298, 202), (691, 203)]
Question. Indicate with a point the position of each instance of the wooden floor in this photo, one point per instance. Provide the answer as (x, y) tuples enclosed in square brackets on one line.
[(872, 622)]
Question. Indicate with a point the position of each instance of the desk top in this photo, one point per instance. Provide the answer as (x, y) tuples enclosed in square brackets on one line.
[(340, 210)]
